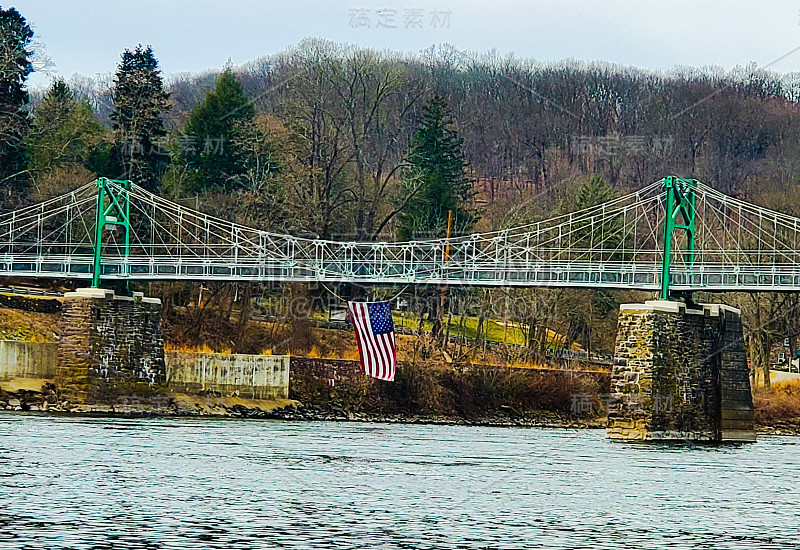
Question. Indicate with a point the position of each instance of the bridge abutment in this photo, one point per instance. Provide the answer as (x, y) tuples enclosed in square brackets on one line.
[(109, 345), (680, 374)]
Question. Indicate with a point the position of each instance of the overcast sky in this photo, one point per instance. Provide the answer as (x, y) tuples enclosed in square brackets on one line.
[(87, 36)]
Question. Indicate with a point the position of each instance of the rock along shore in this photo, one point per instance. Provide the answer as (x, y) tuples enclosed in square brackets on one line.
[(184, 405), (214, 405)]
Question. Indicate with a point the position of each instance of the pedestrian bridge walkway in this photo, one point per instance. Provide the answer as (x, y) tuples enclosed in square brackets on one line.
[(672, 235)]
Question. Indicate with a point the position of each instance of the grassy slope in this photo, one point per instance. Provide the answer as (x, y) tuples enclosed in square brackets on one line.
[(16, 324), (514, 334)]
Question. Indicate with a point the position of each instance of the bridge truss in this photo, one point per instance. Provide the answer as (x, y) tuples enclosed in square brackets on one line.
[(726, 244)]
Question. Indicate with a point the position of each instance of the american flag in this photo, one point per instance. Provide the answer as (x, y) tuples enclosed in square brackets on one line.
[(375, 337)]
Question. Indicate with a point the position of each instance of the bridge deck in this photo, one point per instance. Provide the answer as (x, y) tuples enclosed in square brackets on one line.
[(619, 244), (637, 276)]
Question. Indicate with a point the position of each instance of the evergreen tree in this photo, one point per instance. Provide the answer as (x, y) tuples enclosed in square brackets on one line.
[(606, 234), (212, 149), (59, 92), (436, 183), (595, 191), (65, 131), (139, 104), (15, 39)]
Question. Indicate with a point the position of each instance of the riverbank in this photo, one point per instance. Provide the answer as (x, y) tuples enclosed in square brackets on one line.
[(335, 390), (777, 410), (215, 406), (420, 395), (497, 420), (781, 428), (200, 383), (300, 414), (331, 389), (211, 406)]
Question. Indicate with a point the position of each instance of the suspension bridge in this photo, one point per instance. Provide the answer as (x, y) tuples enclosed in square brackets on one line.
[(674, 235)]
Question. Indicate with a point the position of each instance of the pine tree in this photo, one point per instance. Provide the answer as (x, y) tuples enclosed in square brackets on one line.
[(65, 131), (59, 92), (595, 191), (15, 39), (139, 104), (605, 234), (436, 183), (212, 149)]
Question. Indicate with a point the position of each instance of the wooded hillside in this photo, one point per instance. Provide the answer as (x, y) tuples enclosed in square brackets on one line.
[(341, 142)]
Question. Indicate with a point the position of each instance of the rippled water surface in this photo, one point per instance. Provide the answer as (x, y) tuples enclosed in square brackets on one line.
[(171, 483)]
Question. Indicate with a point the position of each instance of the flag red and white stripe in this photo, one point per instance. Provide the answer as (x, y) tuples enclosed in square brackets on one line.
[(374, 329)]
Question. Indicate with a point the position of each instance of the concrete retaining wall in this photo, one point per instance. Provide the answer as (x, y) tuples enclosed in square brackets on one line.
[(252, 376), (27, 360)]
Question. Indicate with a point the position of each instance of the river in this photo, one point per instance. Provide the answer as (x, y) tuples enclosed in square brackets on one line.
[(100, 483)]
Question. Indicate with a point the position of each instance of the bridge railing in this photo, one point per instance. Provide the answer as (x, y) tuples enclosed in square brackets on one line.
[(615, 245)]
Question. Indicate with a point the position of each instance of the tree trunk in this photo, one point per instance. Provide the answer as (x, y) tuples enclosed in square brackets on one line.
[(245, 293), (760, 346), (767, 346)]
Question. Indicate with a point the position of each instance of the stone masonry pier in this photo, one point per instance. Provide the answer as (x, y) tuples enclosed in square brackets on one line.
[(680, 373), (109, 345)]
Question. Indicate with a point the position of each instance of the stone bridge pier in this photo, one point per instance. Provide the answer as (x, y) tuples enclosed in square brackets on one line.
[(109, 346), (680, 373)]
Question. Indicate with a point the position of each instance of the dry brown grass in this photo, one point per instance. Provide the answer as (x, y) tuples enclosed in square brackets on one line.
[(779, 404), (28, 326), (475, 390), (185, 330), (202, 348)]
